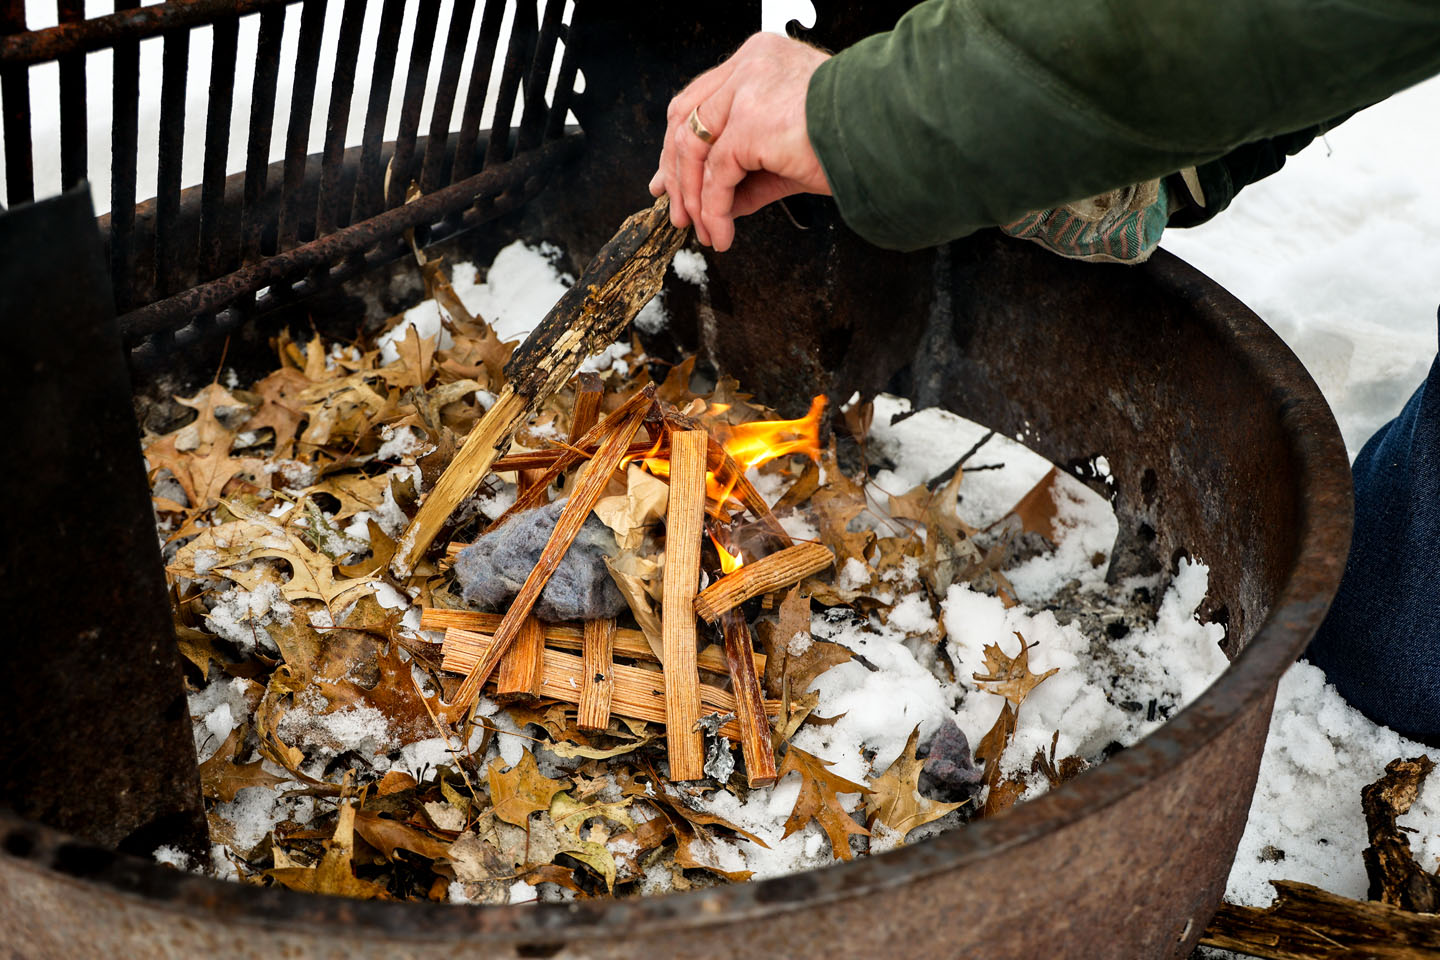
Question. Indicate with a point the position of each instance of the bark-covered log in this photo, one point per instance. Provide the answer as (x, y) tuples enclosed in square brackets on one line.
[(1307, 923)]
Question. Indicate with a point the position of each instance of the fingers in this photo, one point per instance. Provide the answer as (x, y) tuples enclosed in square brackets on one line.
[(722, 172), (692, 153), (677, 115)]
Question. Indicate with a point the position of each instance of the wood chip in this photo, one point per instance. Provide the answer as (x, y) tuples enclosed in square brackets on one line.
[(774, 572)]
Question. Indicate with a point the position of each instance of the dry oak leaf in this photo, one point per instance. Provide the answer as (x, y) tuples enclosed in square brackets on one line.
[(818, 800), (333, 874), (221, 777), (896, 801), (255, 535), (790, 632), (521, 790), (387, 836), (280, 408), (1010, 677)]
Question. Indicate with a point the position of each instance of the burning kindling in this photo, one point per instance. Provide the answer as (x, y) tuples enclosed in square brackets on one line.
[(662, 516)]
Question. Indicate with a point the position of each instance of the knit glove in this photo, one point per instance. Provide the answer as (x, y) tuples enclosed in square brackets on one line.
[(1121, 226)]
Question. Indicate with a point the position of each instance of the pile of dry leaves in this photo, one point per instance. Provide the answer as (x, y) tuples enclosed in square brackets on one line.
[(334, 760)]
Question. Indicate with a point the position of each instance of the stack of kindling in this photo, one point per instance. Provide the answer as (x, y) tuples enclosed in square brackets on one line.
[(520, 656)]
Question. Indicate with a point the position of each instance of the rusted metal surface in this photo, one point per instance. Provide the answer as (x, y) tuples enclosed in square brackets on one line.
[(98, 738), (128, 23), (208, 297), (15, 111)]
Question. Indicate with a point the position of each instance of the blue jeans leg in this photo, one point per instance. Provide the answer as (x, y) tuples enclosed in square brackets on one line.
[(1380, 644)]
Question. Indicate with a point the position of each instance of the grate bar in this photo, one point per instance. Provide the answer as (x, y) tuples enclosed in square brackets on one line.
[(532, 120), (74, 137), (369, 182), (128, 22), (15, 104), (413, 100), (297, 136), (479, 88), (168, 243), (262, 118), (564, 87), (517, 58), (207, 298), (332, 205), (124, 137), (215, 258), (432, 171)]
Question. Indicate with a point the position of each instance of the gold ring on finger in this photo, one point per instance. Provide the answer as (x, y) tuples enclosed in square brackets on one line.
[(698, 128)]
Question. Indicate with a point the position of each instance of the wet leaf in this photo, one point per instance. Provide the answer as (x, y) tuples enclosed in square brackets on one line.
[(1008, 676), (896, 800), (221, 777), (818, 800)]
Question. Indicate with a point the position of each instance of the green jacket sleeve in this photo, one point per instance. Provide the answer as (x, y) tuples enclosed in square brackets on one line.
[(970, 113)]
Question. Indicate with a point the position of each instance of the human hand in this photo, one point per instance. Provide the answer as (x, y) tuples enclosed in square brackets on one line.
[(753, 105)]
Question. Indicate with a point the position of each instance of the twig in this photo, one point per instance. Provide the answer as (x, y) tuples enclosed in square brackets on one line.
[(749, 702), (782, 569), (944, 476), (518, 677), (684, 526)]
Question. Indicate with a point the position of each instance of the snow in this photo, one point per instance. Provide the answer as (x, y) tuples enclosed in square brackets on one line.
[(1338, 253)]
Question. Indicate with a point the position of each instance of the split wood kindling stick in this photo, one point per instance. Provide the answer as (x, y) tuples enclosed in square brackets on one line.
[(597, 685), (726, 470), (778, 570), (628, 643), (638, 693), (684, 527), (587, 406), (598, 644), (531, 498), (622, 278), (522, 667), (544, 459), (589, 485), (755, 743)]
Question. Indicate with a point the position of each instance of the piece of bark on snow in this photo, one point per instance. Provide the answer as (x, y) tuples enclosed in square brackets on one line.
[(1307, 923), (1395, 877)]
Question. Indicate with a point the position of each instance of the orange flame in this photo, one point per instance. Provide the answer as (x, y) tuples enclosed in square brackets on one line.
[(760, 441), (729, 563)]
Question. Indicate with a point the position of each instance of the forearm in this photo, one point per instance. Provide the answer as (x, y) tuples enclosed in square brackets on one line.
[(972, 112)]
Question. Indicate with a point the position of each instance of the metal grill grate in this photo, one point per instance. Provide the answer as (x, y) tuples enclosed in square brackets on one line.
[(198, 259)]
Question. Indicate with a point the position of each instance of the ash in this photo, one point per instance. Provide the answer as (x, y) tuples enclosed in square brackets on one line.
[(492, 569)]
